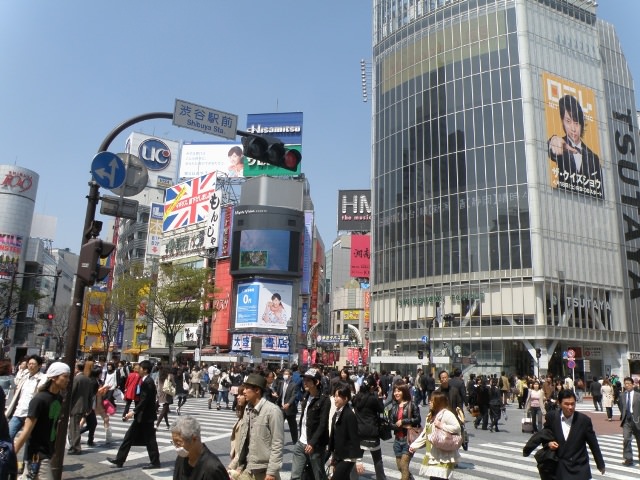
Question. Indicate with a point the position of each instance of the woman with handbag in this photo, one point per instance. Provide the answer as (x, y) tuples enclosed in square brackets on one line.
[(441, 434), (368, 405), (404, 416), (166, 389)]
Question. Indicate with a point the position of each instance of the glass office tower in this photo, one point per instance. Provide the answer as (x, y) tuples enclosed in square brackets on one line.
[(504, 185)]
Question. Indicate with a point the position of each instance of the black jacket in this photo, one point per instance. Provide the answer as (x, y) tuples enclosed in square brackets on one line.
[(317, 420), (573, 459), (145, 411), (290, 396), (368, 408), (344, 441), (410, 419)]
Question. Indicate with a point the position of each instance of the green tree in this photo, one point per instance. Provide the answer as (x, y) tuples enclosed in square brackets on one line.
[(175, 295)]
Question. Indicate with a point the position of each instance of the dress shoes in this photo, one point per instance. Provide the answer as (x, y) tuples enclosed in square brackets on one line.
[(72, 451), (152, 466), (114, 462), (628, 463)]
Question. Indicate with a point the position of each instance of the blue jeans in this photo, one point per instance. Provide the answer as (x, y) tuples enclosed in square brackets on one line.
[(223, 396), (299, 460), (15, 425)]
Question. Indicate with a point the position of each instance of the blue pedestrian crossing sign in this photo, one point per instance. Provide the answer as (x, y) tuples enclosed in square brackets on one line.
[(108, 170), (425, 339)]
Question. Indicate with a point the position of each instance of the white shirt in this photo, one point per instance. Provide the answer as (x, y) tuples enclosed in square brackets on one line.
[(630, 407), (27, 392), (566, 424)]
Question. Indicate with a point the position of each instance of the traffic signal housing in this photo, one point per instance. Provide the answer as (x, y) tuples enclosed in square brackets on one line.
[(538, 352), (89, 268), (271, 150), (420, 354), (46, 316)]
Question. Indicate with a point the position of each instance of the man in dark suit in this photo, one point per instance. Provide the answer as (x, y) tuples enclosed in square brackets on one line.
[(451, 391), (629, 420), (578, 166), (572, 431), (141, 431), (288, 401), (81, 394)]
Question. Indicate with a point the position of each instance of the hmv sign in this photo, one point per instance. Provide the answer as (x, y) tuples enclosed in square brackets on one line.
[(354, 210)]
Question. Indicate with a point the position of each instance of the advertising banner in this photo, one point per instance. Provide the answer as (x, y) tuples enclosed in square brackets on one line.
[(305, 285), (10, 250), (154, 237), (354, 210), (263, 304), (160, 156), (360, 256), (278, 344), (287, 127), (226, 230), (221, 318), (188, 203), (573, 147), (212, 234), (199, 158)]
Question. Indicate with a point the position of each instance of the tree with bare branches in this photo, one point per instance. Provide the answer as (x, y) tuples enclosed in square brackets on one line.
[(175, 296)]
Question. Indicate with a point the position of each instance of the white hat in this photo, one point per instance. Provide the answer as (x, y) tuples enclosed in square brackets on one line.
[(57, 368)]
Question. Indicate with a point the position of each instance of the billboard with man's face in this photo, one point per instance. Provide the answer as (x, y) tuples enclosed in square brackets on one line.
[(573, 147)]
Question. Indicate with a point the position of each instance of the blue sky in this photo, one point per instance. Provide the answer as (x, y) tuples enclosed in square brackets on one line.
[(73, 70)]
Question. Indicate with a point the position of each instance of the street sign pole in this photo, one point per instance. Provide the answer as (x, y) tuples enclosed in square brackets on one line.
[(75, 316)]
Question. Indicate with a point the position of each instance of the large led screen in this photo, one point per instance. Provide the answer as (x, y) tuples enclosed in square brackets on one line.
[(266, 240)]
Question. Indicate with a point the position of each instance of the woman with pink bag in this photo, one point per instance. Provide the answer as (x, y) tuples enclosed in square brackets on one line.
[(442, 438)]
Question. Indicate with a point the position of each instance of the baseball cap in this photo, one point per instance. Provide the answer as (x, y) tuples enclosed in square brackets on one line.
[(313, 373)]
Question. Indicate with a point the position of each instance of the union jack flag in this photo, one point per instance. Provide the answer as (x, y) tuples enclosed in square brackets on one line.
[(188, 203)]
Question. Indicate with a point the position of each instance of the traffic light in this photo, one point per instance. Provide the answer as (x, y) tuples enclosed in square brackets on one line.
[(420, 354), (271, 150), (46, 316), (89, 268), (538, 353)]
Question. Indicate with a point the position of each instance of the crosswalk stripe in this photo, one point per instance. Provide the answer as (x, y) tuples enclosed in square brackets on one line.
[(487, 460)]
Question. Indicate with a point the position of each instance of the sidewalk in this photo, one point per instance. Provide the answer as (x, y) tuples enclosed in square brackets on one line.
[(79, 467)]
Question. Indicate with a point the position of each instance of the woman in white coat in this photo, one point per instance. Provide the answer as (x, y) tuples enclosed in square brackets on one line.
[(607, 398), (438, 464)]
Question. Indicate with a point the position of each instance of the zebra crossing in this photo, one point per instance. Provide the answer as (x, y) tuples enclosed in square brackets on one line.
[(492, 460), (487, 458)]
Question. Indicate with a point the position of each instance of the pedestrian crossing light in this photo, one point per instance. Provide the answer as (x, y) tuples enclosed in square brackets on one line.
[(538, 353), (90, 269), (420, 354), (271, 150)]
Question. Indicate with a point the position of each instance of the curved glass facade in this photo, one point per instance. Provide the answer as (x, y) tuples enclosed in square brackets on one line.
[(483, 241)]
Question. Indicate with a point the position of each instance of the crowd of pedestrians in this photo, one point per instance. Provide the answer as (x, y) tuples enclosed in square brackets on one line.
[(333, 417)]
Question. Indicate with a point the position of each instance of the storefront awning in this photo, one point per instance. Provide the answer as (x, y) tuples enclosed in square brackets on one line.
[(164, 351), (134, 351)]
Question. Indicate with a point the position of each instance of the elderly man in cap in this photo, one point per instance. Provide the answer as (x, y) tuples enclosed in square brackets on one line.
[(313, 428), (41, 425), (261, 434)]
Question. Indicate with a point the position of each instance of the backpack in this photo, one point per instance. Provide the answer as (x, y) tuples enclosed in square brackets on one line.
[(205, 378), (8, 461)]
